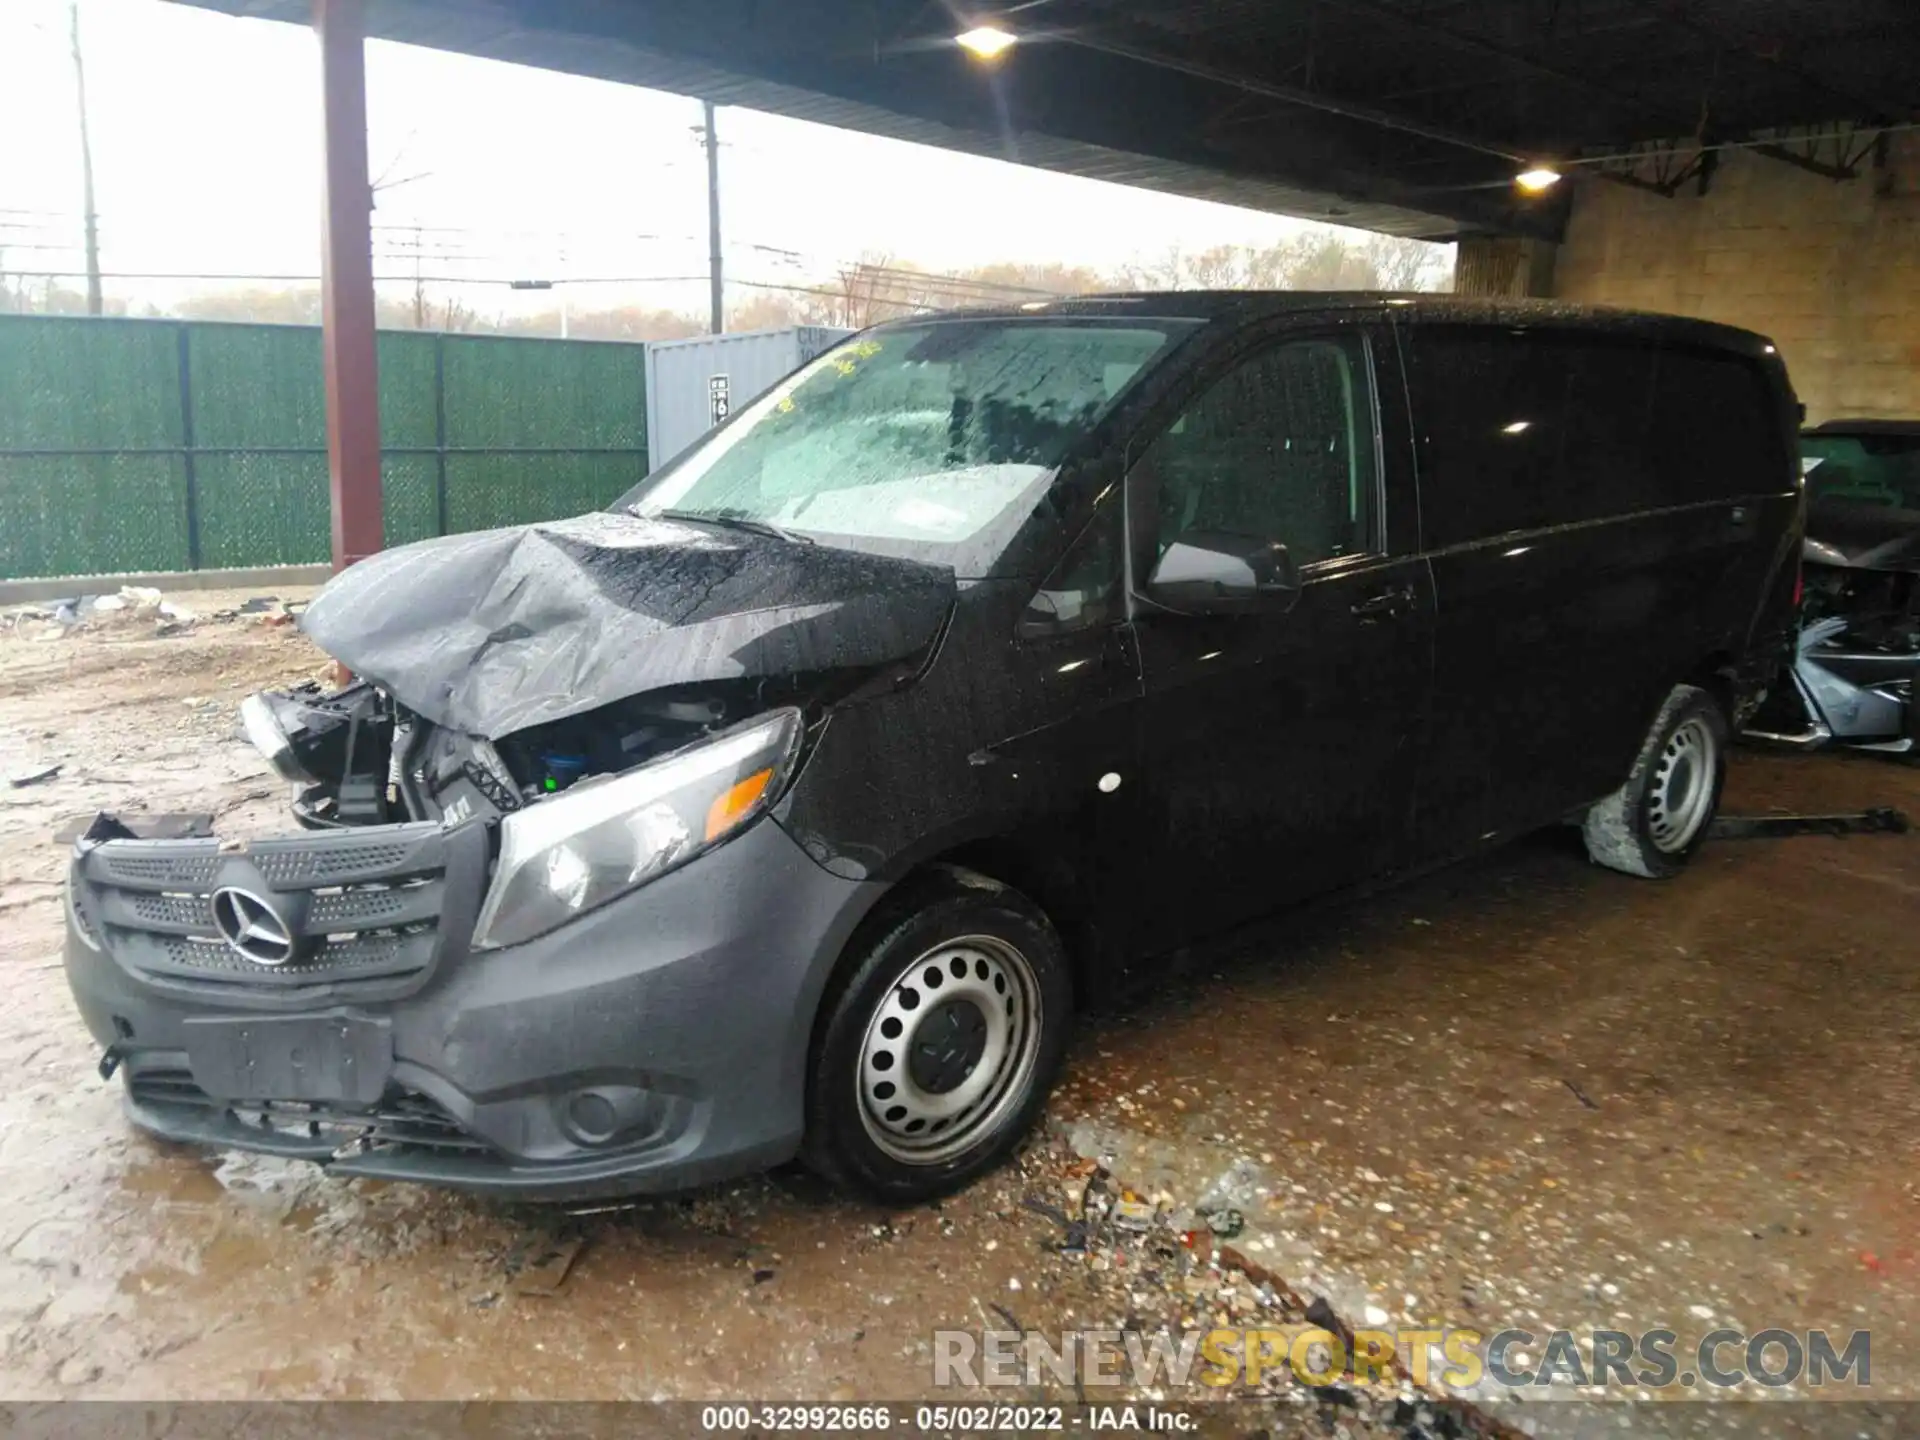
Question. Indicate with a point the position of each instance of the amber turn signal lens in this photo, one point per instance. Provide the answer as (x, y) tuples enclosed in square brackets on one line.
[(728, 808)]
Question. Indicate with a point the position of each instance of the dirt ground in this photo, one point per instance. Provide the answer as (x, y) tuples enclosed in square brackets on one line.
[(1523, 1092)]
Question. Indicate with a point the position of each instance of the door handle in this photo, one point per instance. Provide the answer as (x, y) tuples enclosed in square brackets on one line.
[(1387, 603)]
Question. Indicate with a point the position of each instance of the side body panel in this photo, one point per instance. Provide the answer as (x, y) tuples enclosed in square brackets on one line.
[(1652, 536), (1280, 747), (1002, 743)]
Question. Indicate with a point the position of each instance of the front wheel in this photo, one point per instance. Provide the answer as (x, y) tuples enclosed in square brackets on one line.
[(941, 1039), (1652, 824)]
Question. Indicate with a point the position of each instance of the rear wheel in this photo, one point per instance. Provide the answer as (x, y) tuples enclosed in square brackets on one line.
[(941, 1039), (1652, 824)]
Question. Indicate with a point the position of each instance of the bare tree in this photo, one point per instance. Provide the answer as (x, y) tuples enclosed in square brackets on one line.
[(1026, 281), (768, 310), (1409, 264), (457, 315), (1223, 267)]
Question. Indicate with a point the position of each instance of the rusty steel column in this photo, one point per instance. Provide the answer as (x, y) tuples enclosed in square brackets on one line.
[(346, 286)]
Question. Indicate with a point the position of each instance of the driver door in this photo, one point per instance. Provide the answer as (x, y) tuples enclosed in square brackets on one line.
[(1279, 746)]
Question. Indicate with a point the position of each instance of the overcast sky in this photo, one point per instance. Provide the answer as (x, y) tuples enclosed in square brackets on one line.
[(206, 156)]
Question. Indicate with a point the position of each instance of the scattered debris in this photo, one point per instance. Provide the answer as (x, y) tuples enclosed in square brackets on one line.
[(1051, 1211), (1225, 1223), (132, 604), (1579, 1095), (546, 1266), (36, 777), (1131, 1213), (1237, 1187), (1320, 1313)]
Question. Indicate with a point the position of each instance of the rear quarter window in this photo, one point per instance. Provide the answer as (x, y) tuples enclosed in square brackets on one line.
[(1491, 412), (1717, 431), (1521, 430)]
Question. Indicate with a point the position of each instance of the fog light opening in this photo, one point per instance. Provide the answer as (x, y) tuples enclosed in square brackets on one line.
[(592, 1117)]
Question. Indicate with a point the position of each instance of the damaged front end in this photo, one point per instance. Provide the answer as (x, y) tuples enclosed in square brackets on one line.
[(649, 783), (503, 670), (1859, 648), (444, 978), (357, 757), (1856, 659)]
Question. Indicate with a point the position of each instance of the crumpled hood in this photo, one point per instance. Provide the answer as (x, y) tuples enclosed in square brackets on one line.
[(501, 629)]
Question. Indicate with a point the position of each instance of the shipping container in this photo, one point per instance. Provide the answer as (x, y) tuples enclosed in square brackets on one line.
[(692, 385)]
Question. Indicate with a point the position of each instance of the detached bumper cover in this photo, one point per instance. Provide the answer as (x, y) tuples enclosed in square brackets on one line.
[(657, 1043)]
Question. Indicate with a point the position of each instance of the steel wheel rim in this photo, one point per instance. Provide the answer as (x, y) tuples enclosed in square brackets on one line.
[(919, 1038), (1682, 791)]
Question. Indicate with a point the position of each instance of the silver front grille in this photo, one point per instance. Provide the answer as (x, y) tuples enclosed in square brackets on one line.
[(174, 910), (365, 907)]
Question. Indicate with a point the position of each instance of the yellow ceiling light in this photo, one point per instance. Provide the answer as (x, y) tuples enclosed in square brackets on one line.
[(986, 42), (1540, 178)]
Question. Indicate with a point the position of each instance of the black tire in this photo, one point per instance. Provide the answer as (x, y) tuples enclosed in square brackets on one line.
[(1651, 825), (950, 923)]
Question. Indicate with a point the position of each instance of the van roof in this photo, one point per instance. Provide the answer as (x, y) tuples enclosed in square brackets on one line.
[(1241, 306)]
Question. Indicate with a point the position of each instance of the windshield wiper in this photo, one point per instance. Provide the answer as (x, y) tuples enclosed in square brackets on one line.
[(736, 520)]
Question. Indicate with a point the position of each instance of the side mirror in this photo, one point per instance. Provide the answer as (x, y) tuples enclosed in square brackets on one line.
[(1213, 573)]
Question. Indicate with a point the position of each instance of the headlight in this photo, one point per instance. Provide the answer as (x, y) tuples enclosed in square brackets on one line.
[(269, 737), (562, 857), (309, 737)]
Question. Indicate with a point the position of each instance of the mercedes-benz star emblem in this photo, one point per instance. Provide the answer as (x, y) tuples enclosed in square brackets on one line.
[(251, 927)]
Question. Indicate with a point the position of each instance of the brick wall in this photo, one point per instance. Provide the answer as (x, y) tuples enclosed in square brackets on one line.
[(1829, 269)]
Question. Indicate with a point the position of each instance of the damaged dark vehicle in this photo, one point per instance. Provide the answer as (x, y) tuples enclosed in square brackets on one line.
[(792, 805), (1859, 648)]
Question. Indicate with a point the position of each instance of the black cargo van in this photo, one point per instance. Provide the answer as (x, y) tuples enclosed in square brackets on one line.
[(791, 804)]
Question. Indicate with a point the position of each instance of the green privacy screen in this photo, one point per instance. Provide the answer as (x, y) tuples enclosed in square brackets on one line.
[(184, 445)]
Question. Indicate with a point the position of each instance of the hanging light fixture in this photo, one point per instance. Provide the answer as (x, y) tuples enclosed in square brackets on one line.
[(986, 42)]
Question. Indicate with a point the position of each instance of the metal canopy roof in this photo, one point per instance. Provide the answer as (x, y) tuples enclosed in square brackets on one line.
[(1404, 116)]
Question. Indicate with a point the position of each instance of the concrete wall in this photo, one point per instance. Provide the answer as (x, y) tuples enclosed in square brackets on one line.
[(1829, 269)]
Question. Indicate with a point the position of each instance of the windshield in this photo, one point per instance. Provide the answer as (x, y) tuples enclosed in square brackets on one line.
[(1872, 469), (929, 441)]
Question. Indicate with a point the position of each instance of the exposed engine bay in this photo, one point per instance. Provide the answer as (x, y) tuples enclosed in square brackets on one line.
[(361, 758), (1855, 661), (1881, 608), (1859, 646), (1858, 654)]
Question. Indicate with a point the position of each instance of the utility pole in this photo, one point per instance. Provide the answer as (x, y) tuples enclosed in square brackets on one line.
[(717, 318), (349, 356), (91, 220)]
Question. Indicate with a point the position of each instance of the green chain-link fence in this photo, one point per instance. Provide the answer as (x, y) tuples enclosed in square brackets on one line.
[(131, 445)]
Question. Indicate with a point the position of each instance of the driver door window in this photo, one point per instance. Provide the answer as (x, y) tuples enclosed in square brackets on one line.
[(1281, 448)]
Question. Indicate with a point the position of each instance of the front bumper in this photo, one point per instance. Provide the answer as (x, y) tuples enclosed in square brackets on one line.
[(657, 1043)]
